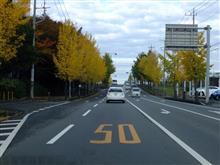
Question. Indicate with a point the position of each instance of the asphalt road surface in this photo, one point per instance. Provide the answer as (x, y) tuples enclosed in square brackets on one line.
[(145, 130)]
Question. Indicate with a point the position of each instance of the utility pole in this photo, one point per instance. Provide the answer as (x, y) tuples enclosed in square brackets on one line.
[(33, 44), (208, 28), (32, 67), (151, 47), (191, 87)]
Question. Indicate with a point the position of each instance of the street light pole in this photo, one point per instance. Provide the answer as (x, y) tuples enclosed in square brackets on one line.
[(32, 67), (208, 28)]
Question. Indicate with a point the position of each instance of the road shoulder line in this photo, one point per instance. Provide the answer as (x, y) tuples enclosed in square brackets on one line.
[(187, 148), (6, 143)]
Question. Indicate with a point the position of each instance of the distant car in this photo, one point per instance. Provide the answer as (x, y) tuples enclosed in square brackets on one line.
[(216, 95), (202, 92), (115, 94), (135, 92)]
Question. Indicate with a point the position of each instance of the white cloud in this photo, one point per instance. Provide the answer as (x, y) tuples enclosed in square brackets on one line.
[(129, 27)]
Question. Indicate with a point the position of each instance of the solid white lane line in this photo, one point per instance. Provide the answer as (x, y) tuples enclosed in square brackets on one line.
[(52, 106), (182, 109), (59, 135), (217, 112), (5, 134), (6, 124), (95, 105), (7, 128), (9, 139), (86, 113), (187, 148), (11, 121)]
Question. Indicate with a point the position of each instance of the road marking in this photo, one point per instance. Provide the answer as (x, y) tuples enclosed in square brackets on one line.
[(52, 106), (5, 134), (95, 105), (122, 138), (11, 121), (86, 113), (210, 117), (7, 128), (9, 139), (59, 135), (108, 135), (187, 148), (6, 124), (217, 112), (163, 111)]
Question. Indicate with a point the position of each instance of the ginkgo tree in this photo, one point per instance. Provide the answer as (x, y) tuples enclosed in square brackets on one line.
[(174, 68), (66, 57), (12, 15), (78, 57), (150, 67)]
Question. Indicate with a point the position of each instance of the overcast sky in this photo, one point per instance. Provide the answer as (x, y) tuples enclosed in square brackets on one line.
[(128, 27)]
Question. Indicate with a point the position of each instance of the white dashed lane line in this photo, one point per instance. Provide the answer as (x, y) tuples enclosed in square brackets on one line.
[(86, 113), (10, 128), (95, 105), (59, 135)]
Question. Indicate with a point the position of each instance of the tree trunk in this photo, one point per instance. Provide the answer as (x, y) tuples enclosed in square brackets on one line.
[(70, 89), (65, 89), (196, 93), (184, 90), (174, 91)]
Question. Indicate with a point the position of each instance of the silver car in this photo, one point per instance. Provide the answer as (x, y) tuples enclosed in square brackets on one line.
[(115, 94)]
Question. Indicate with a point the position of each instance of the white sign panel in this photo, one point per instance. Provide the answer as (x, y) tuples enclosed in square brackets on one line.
[(181, 37)]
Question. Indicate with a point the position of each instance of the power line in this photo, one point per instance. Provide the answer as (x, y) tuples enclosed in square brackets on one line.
[(58, 10), (217, 43), (62, 13), (208, 6), (211, 15), (66, 10), (62, 9)]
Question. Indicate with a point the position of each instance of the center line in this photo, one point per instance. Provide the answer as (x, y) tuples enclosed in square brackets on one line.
[(86, 113), (59, 135), (95, 105)]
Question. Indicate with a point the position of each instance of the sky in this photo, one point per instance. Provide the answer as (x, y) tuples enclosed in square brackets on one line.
[(125, 28)]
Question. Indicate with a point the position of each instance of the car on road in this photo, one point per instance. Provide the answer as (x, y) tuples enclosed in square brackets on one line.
[(216, 95), (115, 94), (135, 92), (202, 92)]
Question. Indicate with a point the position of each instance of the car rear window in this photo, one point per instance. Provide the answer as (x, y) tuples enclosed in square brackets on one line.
[(136, 90), (115, 90)]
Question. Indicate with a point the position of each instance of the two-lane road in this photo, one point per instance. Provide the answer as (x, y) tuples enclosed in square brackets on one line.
[(144, 130)]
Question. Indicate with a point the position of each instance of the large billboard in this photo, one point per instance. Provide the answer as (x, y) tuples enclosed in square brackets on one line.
[(181, 37)]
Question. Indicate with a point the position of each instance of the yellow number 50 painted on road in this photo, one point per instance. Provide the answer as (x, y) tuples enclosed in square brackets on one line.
[(122, 137)]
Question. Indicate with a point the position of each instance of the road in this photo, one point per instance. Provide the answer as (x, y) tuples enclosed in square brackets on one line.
[(146, 130)]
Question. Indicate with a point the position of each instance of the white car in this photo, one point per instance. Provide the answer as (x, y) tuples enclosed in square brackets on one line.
[(202, 91), (115, 94), (135, 92)]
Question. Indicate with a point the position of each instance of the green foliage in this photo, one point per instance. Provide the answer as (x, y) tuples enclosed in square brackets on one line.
[(150, 67), (15, 85), (110, 68), (136, 72)]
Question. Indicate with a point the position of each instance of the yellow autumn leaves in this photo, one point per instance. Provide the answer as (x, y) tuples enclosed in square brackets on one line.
[(78, 57), (11, 16), (149, 66)]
